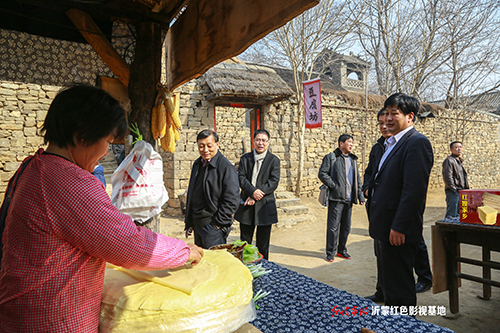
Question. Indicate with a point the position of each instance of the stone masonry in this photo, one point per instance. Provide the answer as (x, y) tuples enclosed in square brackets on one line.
[(23, 108), (27, 88)]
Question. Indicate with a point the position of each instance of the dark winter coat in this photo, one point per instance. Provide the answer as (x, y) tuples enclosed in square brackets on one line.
[(336, 179), (454, 174), (264, 211), (221, 191)]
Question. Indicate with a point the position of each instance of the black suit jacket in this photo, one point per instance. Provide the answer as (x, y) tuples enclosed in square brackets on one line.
[(397, 192), (265, 212)]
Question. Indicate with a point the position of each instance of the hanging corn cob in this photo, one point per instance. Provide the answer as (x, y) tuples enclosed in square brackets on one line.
[(165, 121)]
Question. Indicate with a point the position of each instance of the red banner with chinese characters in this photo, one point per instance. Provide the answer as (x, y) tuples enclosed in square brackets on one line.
[(312, 103)]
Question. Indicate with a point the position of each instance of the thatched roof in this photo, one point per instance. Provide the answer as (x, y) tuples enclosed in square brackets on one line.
[(286, 74), (240, 82), (427, 110), (486, 102), (359, 99)]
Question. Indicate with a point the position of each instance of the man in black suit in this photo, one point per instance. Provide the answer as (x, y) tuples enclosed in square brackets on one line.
[(396, 200), (259, 176), (422, 266)]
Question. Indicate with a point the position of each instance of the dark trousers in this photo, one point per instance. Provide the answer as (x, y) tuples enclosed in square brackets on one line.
[(263, 237), (422, 266), (338, 227), (209, 235), (395, 267)]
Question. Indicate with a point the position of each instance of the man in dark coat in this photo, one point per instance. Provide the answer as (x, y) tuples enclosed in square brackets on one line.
[(396, 200), (422, 265), (259, 176), (213, 194), (455, 179), (339, 171)]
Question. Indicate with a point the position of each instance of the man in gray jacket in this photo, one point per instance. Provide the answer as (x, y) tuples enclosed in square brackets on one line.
[(339, 171), (455, 179)]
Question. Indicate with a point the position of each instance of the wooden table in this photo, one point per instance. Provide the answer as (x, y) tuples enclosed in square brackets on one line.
[(447, 237)]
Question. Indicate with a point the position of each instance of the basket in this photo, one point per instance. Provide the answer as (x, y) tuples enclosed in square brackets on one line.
[(236, 251)]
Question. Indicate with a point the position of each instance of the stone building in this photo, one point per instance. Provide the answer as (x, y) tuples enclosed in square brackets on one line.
[(348, 72), (343, 112), (34, 68)]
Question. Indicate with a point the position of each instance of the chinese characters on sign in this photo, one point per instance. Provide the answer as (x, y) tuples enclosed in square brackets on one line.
[(312, 103), (422, 310), (463, 210)]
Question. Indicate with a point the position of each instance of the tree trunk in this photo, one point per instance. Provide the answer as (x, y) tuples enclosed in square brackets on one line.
[(300, 131), (145, 74)]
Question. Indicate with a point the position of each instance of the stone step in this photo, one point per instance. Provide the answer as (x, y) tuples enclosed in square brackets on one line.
[(292, 210), (287, 202), (291, 221), (284, 195), (280, 188)]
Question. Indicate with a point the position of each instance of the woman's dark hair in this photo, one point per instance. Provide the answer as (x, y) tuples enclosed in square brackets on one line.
[(88, 112)]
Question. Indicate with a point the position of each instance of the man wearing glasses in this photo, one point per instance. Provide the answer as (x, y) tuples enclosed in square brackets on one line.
[(259, 176)]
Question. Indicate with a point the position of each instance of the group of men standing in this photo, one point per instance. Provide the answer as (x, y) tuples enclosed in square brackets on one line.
[(395, 187), (214, 195)]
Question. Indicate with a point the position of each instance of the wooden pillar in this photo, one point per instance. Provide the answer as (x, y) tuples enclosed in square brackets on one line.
[(145, 73)]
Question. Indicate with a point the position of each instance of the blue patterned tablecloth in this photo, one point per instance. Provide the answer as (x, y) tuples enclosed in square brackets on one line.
[(298, 303)]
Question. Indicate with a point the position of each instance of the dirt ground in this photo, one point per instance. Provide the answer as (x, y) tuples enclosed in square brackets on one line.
[(302, 249)]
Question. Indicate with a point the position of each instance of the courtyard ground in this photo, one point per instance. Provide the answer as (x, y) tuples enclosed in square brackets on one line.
[(302, 248)]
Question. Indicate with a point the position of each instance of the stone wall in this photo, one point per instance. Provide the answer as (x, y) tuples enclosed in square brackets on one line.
[(22, 111), (338, 117), (23, 107), (32, 70)]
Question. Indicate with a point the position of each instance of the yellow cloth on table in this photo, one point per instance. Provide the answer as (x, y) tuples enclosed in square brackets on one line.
[(185, 279), (224, 300)]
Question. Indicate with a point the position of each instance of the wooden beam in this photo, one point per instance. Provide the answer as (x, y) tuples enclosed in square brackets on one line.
[(129, 11), (210, 31), (100, 44)]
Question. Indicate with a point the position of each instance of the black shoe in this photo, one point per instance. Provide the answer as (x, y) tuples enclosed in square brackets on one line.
[(343, 255), (375, 298), (421, 287)]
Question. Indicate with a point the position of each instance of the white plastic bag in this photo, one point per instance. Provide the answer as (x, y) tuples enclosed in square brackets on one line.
[(138, 188)]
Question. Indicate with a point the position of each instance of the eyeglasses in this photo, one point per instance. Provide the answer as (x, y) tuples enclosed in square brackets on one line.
[(261, 140)]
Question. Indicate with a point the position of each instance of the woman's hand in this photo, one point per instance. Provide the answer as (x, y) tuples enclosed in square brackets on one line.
[(196, 254)]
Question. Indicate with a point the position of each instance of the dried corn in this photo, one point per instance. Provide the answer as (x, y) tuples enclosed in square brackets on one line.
[(154, 123), (162, 120)]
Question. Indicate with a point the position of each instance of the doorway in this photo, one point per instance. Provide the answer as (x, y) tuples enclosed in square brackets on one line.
[(254, 123)]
